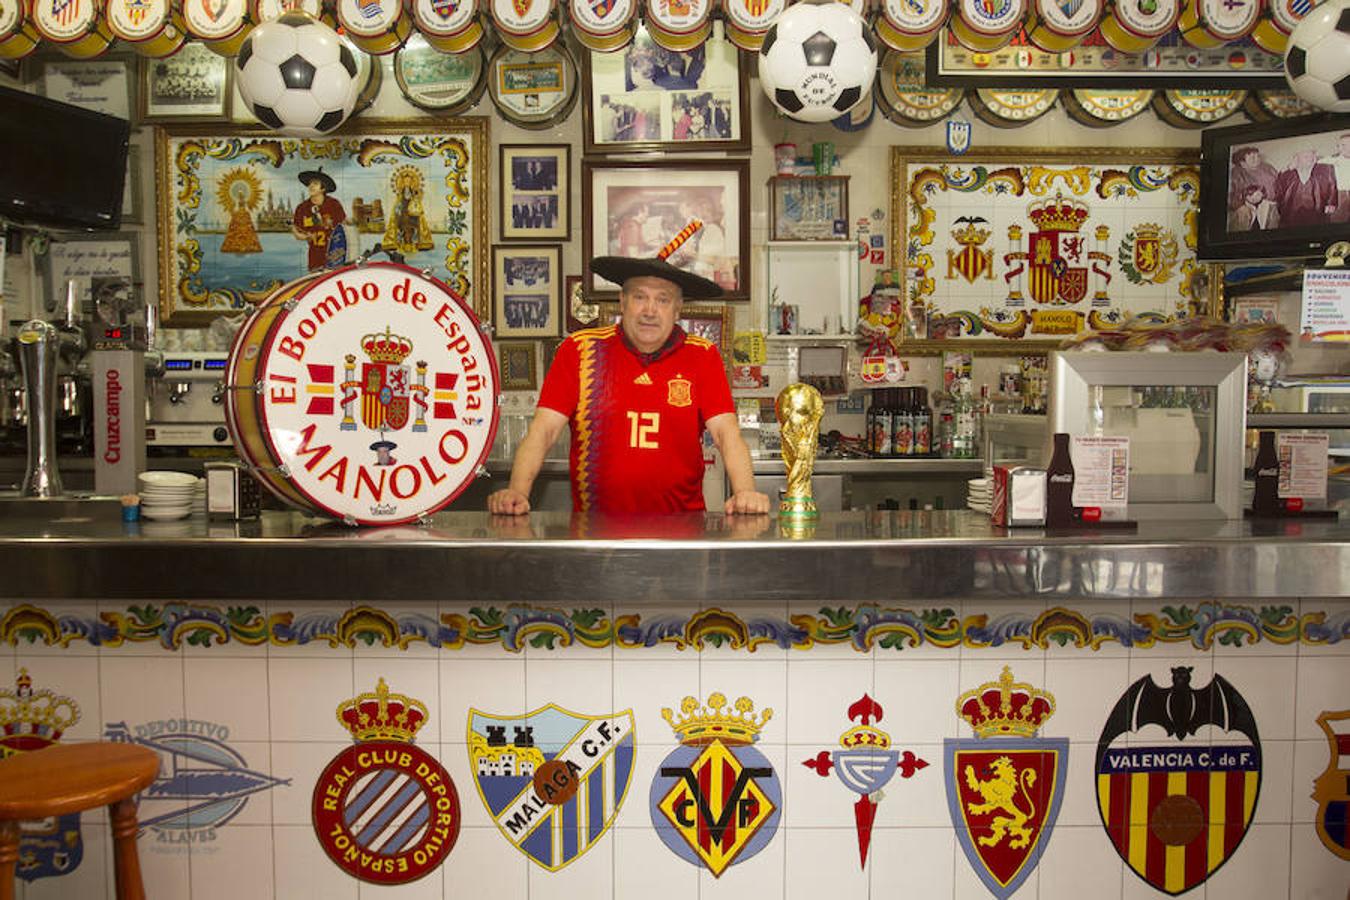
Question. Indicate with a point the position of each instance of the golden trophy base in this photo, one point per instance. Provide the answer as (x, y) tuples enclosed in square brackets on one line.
[(798, 508)]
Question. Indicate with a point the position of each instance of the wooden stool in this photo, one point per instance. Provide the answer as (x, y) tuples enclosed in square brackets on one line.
[(68, 778)]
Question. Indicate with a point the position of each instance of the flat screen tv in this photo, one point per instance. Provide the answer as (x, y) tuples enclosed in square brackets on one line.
[(1275, 191), (60, 165)]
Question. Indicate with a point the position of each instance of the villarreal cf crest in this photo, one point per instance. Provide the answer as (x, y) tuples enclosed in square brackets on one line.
[(552, 780), (1178, 771), (384, 809), (1004, 787), (1332, 788), (716, 800), (32, 720)]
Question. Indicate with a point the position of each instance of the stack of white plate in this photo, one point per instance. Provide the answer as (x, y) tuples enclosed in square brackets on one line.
[(167, 495), (980, 494)]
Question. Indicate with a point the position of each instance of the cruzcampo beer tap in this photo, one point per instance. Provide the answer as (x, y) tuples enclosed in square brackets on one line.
[(799, 409)]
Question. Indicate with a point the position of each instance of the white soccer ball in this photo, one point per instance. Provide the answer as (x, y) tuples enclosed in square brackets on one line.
[(817, 61), (1317, 57), (297, 76)]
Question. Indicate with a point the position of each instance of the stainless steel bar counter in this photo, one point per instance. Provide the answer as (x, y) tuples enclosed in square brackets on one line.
[(70, 552)]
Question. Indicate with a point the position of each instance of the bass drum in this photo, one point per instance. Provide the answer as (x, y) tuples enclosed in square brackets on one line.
[(367, 393)]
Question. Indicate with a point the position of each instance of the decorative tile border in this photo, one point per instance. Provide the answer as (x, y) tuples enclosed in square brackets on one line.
[(516, 627)]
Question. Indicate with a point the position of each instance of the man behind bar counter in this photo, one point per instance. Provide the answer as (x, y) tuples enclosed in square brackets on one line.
[(637, 396)]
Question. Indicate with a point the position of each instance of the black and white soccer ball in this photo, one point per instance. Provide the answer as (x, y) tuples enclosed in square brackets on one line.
[(297, 76), (1317, 57), (817, 61)]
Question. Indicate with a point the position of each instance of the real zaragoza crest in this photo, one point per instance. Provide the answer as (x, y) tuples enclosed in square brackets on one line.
[(1178, 773), (31, 720), (716, 800), (1005, 785), (552, 780), (1148, 254), (384, 810)]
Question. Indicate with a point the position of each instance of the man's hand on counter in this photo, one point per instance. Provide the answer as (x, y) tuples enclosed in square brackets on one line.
[(747, 502), (508, 502)]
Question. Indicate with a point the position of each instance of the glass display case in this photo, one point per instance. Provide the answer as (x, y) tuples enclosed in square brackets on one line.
[(1184, 414)]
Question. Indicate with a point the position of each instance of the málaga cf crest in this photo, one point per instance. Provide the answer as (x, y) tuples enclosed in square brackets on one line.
[(1004, 787), (552, 780)]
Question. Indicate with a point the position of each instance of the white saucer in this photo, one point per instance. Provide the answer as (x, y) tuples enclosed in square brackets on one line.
[(167, 479), (165, 515)]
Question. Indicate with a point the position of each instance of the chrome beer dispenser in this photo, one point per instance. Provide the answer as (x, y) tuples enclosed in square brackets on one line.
[(37, 346)]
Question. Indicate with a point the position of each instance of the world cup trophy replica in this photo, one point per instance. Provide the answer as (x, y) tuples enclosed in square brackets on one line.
[(799, 409)]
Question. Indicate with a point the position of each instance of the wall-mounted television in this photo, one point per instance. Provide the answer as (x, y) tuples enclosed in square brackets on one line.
[(60, 165), (1275, 191)]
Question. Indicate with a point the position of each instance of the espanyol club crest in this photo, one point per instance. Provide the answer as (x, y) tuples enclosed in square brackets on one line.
[(384, 809), (31, 720), (552, 780), (1178, 772), (865, 765), (1331, 790), (1004, 786), (716, 800)]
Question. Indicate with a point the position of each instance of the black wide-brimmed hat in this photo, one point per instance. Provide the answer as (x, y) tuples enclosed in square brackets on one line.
[(319, 175), (619, 269)]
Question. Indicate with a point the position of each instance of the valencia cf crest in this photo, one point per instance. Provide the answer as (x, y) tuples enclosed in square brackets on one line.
[(552, 780), (716, 800), (384, 809), (1331, 790), (865, 764), (1005, 786), (32, 720), (973, 261), (1178, 772)]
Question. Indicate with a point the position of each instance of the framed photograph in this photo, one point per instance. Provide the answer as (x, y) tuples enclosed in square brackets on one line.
[(645, 97), (1170, 63), (712, 322), (238, 220), (193, 85), (132, 202), (102, 85), (87, 257), (535, 191), (1275, 190), (808, 208), (518, 366), (446, 83), (635, 208), (527, 282), (1012, 248)]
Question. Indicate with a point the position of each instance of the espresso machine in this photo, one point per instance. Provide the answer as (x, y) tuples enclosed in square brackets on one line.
[(187, 402)]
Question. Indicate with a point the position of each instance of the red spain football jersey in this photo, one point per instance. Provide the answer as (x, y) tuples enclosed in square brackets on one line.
[(637, 423)]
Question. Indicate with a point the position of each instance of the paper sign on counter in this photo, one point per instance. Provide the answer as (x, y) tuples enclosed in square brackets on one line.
[(1101, 474), (1326, 305), (1303, 465)]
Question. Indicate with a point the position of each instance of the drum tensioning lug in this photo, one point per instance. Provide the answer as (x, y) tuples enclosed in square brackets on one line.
[(290, 304), (423, 520), (349, 520), (428, 274), (482, 472), (256, 387), (487, 328)]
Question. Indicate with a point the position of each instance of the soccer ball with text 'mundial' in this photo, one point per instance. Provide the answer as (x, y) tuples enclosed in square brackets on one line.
[(1317, 57), (817, 61), (297, 76)]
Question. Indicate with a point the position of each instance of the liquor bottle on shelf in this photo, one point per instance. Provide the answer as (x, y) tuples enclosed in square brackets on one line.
[(1266, 472), (880, 428), (922, 419), (963, 410), (902, 424), (1059, 485), (944, 416)]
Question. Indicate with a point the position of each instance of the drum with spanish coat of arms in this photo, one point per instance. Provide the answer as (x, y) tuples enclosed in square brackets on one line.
[(368, 393)]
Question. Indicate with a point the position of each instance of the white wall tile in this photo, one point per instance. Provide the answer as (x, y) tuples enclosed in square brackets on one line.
[(218, 872), (1079, 859), (494, 686), (1258, 868), (590, 875), (765, 683), (305, 695), (1316, 873), (1266, 683), (820, 694), (231, 692), (415, 677), (917, 863), (649, 686), (1085, 688), (483, 864), (302, 762), (165, 874), (919, 697), (583, 686), (1278, 790), (139, 689), (303, 870), (429, 887), (823, 862), (1321, 687), (646, 867)]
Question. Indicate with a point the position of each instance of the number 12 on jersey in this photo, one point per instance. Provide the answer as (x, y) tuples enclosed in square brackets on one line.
[(642, 428)]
